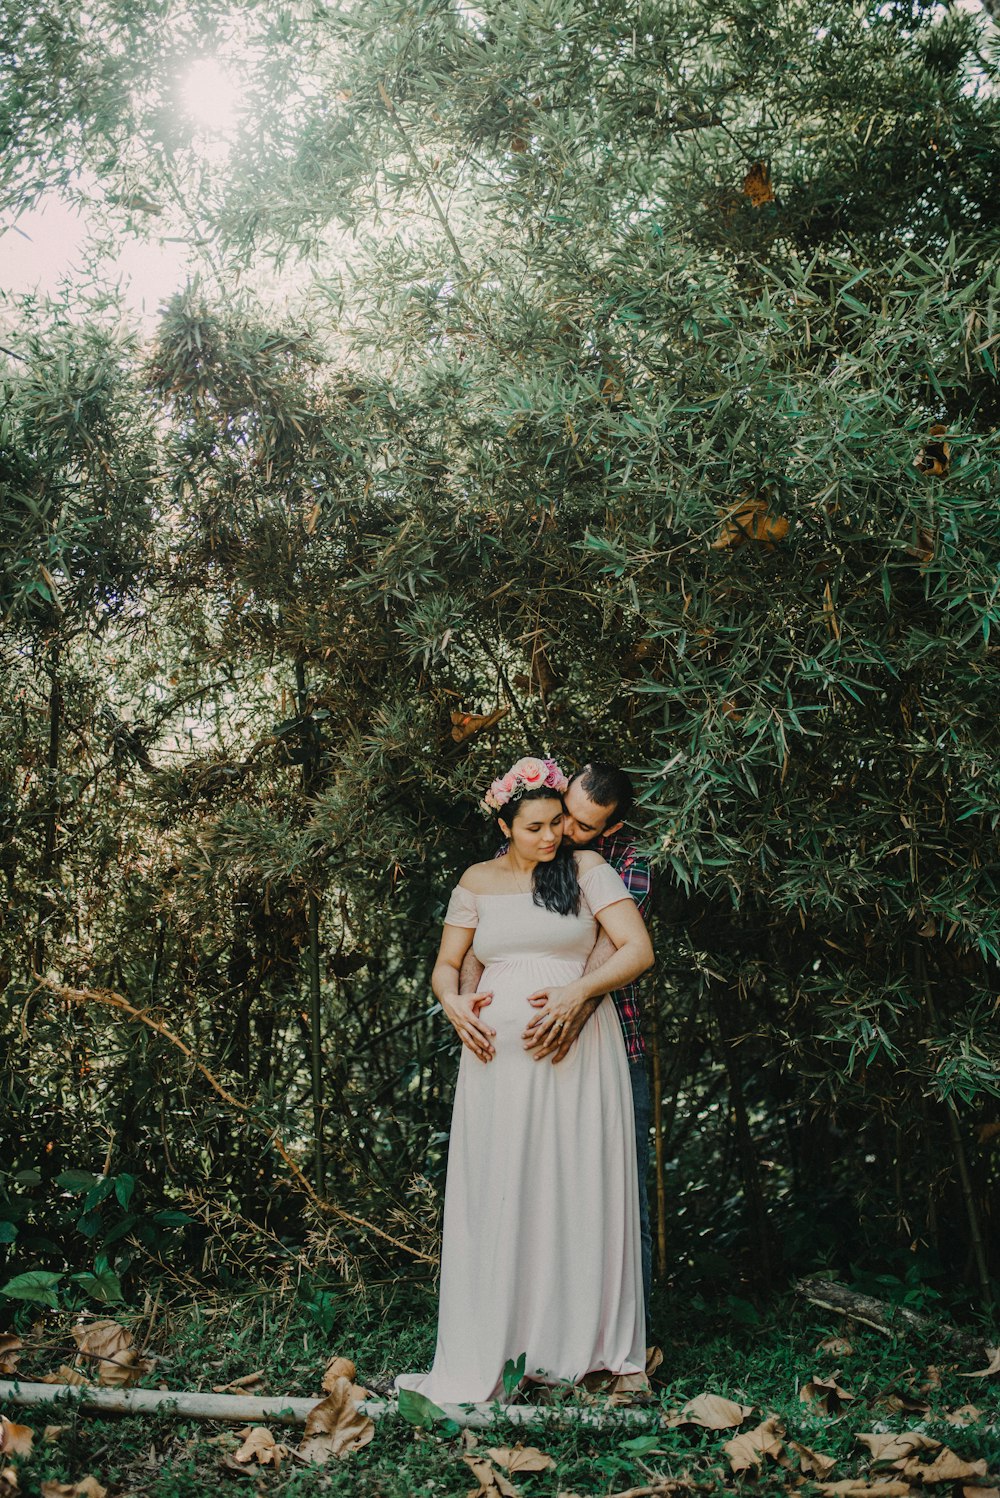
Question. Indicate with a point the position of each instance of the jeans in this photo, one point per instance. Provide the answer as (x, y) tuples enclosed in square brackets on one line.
[(643, 1106)]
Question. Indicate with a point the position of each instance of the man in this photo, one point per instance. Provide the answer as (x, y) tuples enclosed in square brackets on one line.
[(598, 801)]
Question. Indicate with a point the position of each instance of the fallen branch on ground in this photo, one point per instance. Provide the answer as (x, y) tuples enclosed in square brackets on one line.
[(111, 1000), (888, 1319), (244, 1408)]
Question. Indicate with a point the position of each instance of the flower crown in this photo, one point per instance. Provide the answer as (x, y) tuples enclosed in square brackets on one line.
[(528, 774)]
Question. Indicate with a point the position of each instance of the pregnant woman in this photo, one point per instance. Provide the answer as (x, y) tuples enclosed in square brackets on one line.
[(541, 1250)]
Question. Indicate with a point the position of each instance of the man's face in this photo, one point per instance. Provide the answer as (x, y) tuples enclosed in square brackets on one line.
[(585, 821)]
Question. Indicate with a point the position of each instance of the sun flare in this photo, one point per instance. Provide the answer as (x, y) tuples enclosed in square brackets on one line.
[(209, 93)]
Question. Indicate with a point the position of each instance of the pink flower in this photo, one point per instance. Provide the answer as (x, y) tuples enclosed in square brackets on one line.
[(531, 772), (509, 782), (555, 779)]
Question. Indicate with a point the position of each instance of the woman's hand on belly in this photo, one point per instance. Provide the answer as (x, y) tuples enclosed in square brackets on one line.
[(463, 1010), (563, 1012)]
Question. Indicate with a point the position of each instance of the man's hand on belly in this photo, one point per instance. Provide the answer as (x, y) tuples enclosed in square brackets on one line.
[(563, 1013)]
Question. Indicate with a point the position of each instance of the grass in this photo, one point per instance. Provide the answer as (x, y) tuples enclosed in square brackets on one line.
[(392, 1329)]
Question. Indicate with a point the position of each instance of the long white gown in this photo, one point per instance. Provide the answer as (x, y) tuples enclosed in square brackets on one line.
[(540, 1252)]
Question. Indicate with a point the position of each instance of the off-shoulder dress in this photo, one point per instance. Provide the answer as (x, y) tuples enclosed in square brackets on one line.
[(540, 1251)]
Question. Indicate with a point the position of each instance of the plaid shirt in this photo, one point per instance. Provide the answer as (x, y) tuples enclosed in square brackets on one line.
[(621, 854)]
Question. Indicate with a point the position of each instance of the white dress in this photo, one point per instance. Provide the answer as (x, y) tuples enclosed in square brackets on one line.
[(541, 1252)]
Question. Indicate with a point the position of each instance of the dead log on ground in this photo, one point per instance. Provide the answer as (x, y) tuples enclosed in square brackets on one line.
[(891, 1320)]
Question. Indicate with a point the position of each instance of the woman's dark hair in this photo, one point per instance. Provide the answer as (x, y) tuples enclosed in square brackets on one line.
[(554, 885)]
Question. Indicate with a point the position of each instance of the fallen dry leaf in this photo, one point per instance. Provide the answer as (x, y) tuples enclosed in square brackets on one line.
[(64, 1374), (906, 1404), (711, 1411), (748, 1450), (51, 1433), (492, 1484), (812, 1463), (978, 1492), (87, 1487), (947, 1466), (993, 1353), (8, 1481), (837, 1347), (520, 1458), (10, 1347), (340, 1368), (335, 1426), (15, 1440), (932, 1379), (824, 1394), (966, 1414), (892, 1445), (246, 1382), (110, 1345), (851, 1487), (619, 1387), (258, 1446), (654, 1357)]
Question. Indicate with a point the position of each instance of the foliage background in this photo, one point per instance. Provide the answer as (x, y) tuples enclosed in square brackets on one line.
[(578, 361)]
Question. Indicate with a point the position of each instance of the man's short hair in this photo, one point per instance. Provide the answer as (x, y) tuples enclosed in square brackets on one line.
[(607, 785)]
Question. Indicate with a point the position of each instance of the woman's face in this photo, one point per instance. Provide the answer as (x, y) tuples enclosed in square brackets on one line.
[(537, 828)]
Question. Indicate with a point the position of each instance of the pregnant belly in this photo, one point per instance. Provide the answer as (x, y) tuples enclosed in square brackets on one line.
[(510, 982)]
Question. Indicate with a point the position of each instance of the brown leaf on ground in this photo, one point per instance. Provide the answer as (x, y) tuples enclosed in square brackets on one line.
[(15, 1440), (258, 1446), (837, 1347), (993, 1353), (966, 1414), (851, 1487), (968, 1491), (8, 1481), (64, 1374), (520, 1458), (110, 1345), (748, 1450), (340, 1368), (654, 1357), (892, 1445), (946, 1467), (932, 1379), (87, 1487), (824, 1394), (335, 1426), (10, 1347), (52, 1433), (619, 1387), (492, 1484), (344, 1368), (239, 1384), (712, 1412), (906, 1404), (812, 1463)]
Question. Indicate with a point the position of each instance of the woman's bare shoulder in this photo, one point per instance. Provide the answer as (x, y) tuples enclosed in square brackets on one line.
[(480, 878), (586, 859)]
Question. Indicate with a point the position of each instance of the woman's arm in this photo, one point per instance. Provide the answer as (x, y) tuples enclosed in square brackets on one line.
[(565, 1010), (461, 1009)]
